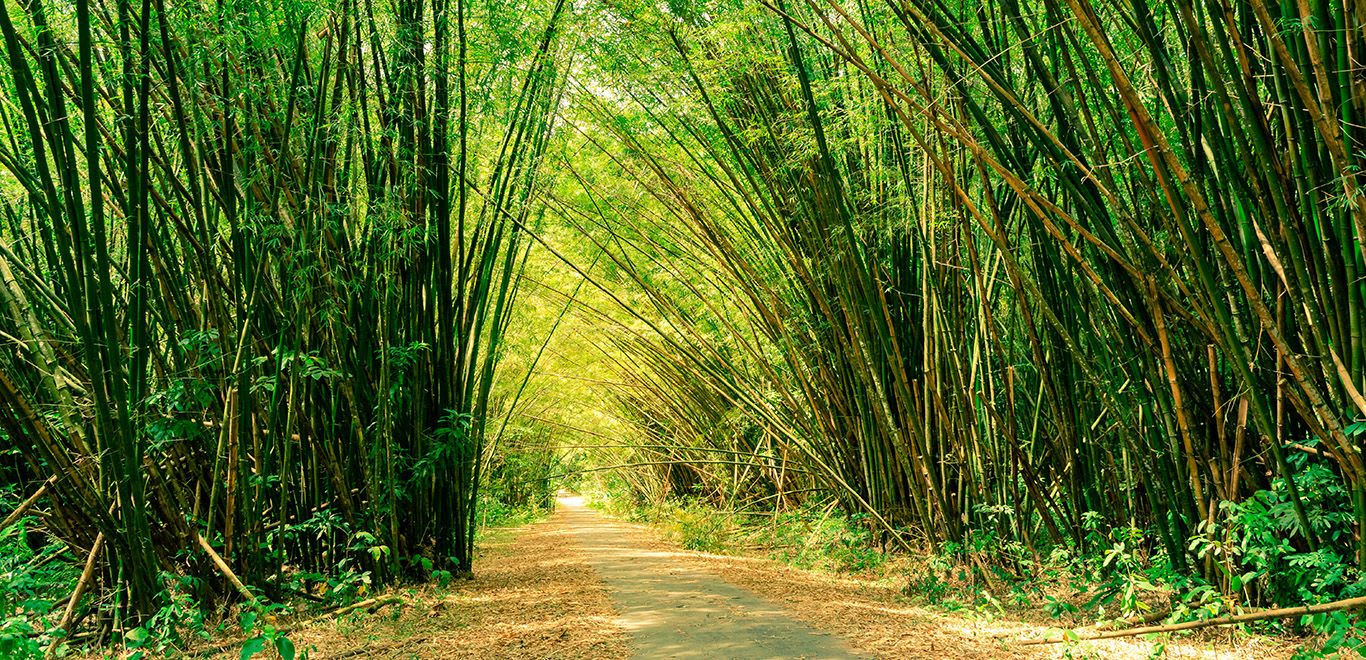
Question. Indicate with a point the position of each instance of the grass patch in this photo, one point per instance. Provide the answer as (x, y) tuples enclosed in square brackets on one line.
[(809, 537), (495, 514)]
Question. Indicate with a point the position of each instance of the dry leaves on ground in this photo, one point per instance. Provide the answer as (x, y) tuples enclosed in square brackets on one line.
[(879, 620), (532, 597)]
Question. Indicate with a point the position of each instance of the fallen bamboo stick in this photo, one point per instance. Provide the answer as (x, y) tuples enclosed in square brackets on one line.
[(227, 571), (1144, 619), (18, 513), (369, 604), (86, 575), (1263, 615)]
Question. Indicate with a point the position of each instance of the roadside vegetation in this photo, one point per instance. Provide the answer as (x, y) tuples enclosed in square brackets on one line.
[(1112, 589)]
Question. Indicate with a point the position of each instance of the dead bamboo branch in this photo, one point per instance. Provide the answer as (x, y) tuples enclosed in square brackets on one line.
[(1249, 617), (18, 513), (226, 571), (371, 604), (86, 575)]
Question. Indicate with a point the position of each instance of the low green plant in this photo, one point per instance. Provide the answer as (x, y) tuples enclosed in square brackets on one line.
[(1343, 635), (18, 639), (498, 513), (818, 537), (696, 526), (33, 580), (1057, 608), (262, 635)]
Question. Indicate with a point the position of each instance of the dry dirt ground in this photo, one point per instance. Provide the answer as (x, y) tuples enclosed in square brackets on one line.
[(533, 596), (673, 608), (580, 585)]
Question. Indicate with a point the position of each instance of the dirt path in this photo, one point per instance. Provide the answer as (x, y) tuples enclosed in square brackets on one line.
[(533, 596), (580, 586), (674, 609)]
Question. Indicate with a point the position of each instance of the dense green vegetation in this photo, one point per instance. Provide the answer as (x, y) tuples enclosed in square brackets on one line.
[(259, 262), (293, 295)]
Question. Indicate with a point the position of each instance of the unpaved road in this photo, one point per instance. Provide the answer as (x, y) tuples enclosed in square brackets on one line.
[(674, 609), (580, 586)]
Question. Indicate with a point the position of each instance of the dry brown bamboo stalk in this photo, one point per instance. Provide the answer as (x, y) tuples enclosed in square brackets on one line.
[(1142, 619), (18, 513), (226, 571), (1278, 613), (369, 604), (86, 575)]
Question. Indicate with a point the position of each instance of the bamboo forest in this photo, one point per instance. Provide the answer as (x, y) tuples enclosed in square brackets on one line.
[(682, 328)]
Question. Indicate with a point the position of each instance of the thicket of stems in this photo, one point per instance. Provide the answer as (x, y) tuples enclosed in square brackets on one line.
[(257, 261), (993, 267)]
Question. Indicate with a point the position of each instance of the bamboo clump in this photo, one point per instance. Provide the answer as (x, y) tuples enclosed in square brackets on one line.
[(257, 261), (1006, 269)]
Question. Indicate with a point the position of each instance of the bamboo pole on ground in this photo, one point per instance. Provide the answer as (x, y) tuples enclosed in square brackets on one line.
[(1279, 613)]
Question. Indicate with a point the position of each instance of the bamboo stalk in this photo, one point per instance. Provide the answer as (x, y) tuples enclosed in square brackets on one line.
[(1249, 617), (27, 504), (69, 615)]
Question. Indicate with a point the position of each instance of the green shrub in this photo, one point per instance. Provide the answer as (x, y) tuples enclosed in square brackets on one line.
[(820, 537), (30, 587), (696, 526)]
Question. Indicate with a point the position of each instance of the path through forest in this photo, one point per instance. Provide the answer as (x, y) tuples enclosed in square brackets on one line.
[(582, 586), (672, 608)]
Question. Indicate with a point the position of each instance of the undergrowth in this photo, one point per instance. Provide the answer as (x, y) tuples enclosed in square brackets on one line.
[(813, 536), (1249, 555), (37, 576), (33, 580)]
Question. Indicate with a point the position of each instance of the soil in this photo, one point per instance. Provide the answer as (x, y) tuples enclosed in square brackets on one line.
[(674, 608), (533, 595)]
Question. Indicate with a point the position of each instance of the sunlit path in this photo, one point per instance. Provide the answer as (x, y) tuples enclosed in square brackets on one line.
[(675, 610)]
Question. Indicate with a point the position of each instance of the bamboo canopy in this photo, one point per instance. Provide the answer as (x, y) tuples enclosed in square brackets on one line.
[(1016, 275)]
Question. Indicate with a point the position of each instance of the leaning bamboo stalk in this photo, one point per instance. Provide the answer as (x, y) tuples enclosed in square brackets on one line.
[(227, 571), (68, 617), (27, 504), (1279, 613)]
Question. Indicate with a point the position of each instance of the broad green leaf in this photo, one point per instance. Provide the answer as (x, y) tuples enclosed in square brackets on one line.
[(285, 647), (253, 646)]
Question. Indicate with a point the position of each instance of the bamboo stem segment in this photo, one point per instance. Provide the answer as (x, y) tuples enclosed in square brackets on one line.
[(1249, 617)]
